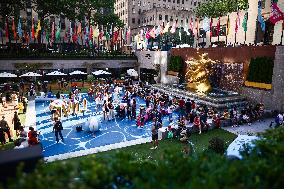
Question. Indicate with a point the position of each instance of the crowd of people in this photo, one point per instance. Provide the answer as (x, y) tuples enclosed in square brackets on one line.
[(118, 100)]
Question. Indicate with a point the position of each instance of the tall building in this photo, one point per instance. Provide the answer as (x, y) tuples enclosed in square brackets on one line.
[(137, 13)]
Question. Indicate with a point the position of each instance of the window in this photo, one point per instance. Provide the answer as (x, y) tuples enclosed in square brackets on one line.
[(133, 10), (138, 21), (166, 17), (160, 17), (133, 20)]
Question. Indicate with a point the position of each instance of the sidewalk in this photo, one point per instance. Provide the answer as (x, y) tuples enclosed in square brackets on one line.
[(30, 115), (253, 129)]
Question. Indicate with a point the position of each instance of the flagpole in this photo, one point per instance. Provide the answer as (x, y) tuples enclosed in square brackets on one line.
[(282, 35), (246, 29)]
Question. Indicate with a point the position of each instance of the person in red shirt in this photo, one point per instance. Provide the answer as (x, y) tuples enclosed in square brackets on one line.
[(181, 106), (197, 123), (32, 137)]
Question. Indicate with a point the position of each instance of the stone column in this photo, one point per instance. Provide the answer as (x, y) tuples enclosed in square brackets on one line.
[(278, 80)]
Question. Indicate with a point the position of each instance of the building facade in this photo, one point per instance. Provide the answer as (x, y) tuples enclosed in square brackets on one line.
[(139, 13)]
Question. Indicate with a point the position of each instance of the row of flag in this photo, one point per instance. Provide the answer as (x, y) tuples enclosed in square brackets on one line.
[(75, 32), (276, 15), (89, 33)]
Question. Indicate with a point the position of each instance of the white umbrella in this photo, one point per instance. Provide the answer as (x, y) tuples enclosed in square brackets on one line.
[(101, 72), (78, 72), (56, 73), (6, 75), (31, 74), (132, 73)]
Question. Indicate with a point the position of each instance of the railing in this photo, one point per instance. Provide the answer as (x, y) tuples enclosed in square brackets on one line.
[(41, 52)]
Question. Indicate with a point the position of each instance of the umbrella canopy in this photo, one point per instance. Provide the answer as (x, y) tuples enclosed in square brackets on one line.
[(132, 72), (78, 72), (7, 75), (101, 72), (56, 73), (31, 74)]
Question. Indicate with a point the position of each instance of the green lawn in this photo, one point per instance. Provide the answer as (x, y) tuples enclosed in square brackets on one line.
[(143, 151)]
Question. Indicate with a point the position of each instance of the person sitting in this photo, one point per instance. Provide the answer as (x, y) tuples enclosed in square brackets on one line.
[(216, 121), (197, 123), (32, 140)]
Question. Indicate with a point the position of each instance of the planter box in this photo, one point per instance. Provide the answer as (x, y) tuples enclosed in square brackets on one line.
[(172, 73), (258, 85)]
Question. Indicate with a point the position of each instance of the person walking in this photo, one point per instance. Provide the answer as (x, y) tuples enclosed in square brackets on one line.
[(155, 128), (17, 123), (57, 128), (5, 128)]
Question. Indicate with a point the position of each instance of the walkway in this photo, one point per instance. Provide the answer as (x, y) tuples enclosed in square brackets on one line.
[(253, 129), (31, 115)]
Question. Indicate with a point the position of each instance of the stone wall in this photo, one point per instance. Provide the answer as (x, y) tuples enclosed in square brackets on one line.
[(228, 55), (71, 64), (148, 59)]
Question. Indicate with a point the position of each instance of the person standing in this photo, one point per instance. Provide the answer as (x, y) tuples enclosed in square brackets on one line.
[(133, 109), (57, 128), (5, 128), (17, 123), (155, 128)]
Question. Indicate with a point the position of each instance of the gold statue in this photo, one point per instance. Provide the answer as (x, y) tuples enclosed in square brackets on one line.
[(197, 74)]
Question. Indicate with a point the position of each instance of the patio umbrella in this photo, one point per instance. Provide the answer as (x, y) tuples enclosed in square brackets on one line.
[(31, 74), (7, 75), (77, 72), (56, 73), (132, 72), (101, 72)]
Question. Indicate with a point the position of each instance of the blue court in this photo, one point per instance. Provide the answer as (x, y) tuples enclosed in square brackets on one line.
[(111, 132)]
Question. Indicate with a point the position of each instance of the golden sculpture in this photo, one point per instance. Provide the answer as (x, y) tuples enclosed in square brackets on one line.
[(197, 74)]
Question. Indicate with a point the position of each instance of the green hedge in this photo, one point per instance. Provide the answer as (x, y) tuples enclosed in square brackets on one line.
[(261, 70), (175, 64)]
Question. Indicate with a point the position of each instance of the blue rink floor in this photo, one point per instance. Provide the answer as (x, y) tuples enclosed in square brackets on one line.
[(111, 132)]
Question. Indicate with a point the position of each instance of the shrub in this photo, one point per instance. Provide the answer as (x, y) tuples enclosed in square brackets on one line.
[(217, 145)]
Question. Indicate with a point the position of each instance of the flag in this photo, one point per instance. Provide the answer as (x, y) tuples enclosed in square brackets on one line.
[(33, 29), (75, 37), (20, 31), (228, 25), (96, 32), (186, 29), (7, 29), (79, 29), (57, 35), (70, 30), (152, 32), (245, 22), (166, 29), (276, 14), (218, 26), (206, 24), (191, 25), (148, 36), (173, 29), (237, 23), (37, 29), (52, 32), (260, 18), (211, 28), (158, 31), (14, 29), (107, 36), (47, 35), (91, 32)]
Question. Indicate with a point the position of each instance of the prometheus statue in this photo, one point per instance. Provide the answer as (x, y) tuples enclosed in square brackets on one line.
[(197, 74)]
